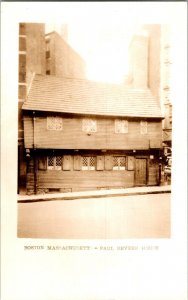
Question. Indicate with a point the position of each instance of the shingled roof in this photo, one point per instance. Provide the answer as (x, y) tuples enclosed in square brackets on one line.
[(79, 96)]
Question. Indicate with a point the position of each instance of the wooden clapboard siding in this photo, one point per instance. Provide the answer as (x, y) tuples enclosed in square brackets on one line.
[(84, 179), (72, 136), (28, 132)]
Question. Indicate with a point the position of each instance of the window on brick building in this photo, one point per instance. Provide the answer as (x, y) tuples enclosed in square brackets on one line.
[(48, 54), (22, 92), (119, 163), (22, 29), (88, 163), (22, 43), (54, 162)]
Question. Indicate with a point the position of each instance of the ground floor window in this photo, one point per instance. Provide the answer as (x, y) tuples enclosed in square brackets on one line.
[(54, 162), (88, 163), (119, 163)]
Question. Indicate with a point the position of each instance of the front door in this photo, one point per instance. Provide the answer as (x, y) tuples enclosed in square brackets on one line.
[(140, 171)]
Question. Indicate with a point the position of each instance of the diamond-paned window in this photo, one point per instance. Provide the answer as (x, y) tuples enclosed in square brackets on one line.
[(54, 162), (143, 127), (88, 163), (54, 123), (89, 125), (119, 163), (121, 126)]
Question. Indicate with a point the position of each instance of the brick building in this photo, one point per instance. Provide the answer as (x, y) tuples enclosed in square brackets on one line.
[(61, 59), (31, 60), (155, 62)]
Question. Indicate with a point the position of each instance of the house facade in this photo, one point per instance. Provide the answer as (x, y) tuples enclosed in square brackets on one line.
[(85, 135)]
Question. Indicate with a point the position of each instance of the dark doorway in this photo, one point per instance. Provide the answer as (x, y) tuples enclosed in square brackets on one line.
[(140, 172)]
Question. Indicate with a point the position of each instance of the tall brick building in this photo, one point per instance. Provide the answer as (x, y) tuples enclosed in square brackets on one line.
[(31, 60), (61, 59), (159, 74), (150, 49)]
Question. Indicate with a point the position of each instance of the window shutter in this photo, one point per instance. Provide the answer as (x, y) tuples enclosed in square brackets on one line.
[(130, 163), (77, 162), (100, 163), (42, 164), (108, 162), (66, 162)]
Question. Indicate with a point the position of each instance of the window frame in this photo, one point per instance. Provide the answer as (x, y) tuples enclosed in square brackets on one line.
[(119, 167), (89, 167), (88, 127), (143, 127), (123, 129), (55, 166), (56, 118)]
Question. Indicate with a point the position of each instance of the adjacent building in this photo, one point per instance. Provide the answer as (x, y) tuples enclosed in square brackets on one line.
[(61, 59), (159, 74), (31, 60)]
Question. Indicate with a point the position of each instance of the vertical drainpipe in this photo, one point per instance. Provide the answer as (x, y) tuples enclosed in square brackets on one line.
[(34, 155)]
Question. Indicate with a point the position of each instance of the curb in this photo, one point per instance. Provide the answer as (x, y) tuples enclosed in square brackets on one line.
[(70, 197)]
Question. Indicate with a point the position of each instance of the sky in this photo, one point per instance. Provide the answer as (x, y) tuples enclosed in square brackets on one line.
[(104, 47)]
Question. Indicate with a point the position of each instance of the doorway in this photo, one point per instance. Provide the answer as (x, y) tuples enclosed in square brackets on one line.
[(140, 171)]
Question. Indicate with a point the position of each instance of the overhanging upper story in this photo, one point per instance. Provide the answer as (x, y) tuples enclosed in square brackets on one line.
[(65, 113)]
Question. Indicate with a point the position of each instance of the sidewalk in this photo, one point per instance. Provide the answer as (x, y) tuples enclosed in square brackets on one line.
[(96, 194)]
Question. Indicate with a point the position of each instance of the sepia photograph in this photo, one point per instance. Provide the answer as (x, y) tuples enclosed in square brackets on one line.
[(93, 151), (94, 132)]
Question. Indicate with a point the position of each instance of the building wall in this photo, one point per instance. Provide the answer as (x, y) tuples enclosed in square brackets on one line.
[(159, 72), (31, 59), (61, 59), (72, 135), (138, 61), (154, 58)]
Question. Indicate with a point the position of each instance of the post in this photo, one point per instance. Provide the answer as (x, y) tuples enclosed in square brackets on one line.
[(34, 156)]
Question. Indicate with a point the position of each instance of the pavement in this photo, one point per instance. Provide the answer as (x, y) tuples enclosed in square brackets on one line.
[(96, 194)]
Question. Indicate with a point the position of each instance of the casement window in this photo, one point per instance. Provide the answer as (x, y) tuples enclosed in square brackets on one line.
[(121, 126), (54, 162), (119, 163), (88, 163), (89, 125), (143, 127), (54, 123)]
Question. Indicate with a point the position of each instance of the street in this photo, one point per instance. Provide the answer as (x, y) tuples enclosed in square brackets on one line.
[(122, 217)]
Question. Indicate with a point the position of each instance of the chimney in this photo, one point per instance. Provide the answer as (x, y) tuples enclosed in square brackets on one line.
[(138, 60)]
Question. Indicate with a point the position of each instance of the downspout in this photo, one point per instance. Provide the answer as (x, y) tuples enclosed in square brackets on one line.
[(34, 155)]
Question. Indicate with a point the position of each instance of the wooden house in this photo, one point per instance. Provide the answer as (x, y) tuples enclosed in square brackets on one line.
[(85, 135)]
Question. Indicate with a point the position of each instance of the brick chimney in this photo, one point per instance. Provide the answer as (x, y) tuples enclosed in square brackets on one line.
[(138, 61)]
